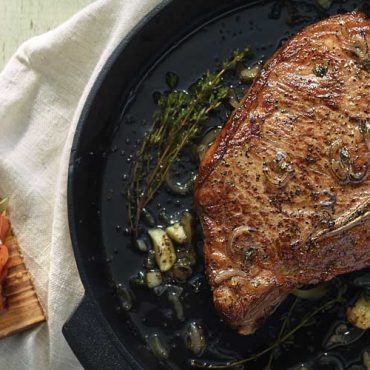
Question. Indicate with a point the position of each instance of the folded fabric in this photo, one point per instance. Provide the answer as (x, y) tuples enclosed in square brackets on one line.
[(43, 89)]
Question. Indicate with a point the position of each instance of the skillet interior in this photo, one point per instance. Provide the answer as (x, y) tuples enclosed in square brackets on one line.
[(188, 38)]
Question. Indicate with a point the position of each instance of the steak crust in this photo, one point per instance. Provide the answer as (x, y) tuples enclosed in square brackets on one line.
[(284, 192)]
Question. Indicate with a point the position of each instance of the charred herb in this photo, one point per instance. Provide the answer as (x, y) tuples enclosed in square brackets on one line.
[(341, 164), (179, 118), (320, 70), (280, 171), (366, 64)]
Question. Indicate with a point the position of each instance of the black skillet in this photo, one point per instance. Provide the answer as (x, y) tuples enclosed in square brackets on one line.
[(187, 37)]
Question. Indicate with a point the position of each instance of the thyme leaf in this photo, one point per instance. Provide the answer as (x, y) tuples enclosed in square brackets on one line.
[(283, 337), (283, 330), (178, 119)]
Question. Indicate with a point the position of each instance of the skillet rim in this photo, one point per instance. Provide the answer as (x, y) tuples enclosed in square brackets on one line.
[(72, 222)]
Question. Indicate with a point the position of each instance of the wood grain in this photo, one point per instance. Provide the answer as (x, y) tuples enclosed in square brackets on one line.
[(22, 19), (24, 309)]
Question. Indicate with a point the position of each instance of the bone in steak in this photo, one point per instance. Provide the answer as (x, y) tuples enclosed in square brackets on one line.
[(284, 192)]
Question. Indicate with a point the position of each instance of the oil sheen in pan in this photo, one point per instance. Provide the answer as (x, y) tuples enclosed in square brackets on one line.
[(263, 28)]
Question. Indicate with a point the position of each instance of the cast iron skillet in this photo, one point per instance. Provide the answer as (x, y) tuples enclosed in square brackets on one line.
[(183, 36)]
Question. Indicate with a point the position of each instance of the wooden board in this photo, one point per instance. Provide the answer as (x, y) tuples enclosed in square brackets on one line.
[(24, 309)]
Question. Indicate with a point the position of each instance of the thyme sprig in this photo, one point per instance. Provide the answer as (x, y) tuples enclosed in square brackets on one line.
[(283, 330), (282, 338), (178, 119)]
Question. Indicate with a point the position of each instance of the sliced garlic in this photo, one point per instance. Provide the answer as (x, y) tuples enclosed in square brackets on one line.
[(165, 254)]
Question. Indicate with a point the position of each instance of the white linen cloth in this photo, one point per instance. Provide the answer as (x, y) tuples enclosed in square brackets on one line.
[(42, 92)]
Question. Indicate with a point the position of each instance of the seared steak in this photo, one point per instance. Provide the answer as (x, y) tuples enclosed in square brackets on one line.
[(284, 192)]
